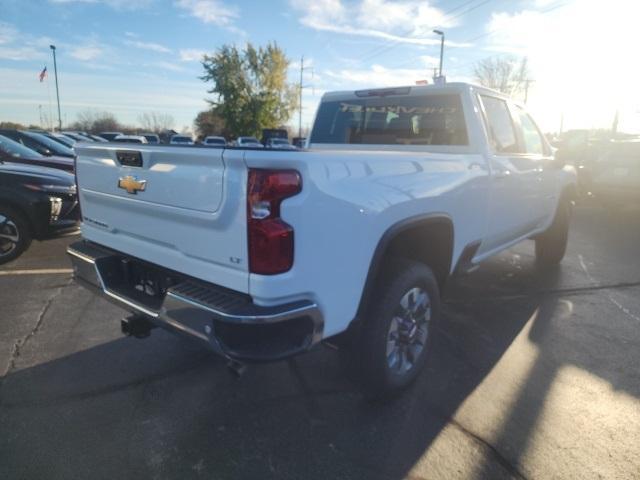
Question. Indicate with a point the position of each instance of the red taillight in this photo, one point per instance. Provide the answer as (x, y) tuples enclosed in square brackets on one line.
[(270, 238)]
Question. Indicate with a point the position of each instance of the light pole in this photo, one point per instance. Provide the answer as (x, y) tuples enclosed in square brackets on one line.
[(441, 33), (55, 71)]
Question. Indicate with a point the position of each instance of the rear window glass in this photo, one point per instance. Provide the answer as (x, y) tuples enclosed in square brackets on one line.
[(411, 120)]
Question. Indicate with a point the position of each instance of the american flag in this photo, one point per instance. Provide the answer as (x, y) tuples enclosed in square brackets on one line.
[(43, 74)]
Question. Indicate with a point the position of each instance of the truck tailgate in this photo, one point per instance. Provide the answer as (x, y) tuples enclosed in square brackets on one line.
[(179, 207)]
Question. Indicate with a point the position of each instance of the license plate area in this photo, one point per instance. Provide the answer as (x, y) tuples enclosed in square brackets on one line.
[(136, 281)]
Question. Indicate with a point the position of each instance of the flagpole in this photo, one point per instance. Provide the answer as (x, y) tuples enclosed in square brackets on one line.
[(55, 71)]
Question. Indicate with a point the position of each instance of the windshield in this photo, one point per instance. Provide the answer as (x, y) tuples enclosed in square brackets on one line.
[(62, 139), (52, 145), (16, 149), (411, 120), (215, 141), (151, 138), (279, 141), (181, 139), (249, 140)]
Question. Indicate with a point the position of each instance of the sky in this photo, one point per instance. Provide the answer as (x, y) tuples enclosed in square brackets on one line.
[(129, 57)]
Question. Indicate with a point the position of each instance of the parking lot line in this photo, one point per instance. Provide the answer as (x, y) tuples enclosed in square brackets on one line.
[(41, 271)]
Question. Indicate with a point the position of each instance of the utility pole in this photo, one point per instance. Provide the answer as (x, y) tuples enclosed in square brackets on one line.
[(441, 33), (301, 86), (40, 112), (55, 71)]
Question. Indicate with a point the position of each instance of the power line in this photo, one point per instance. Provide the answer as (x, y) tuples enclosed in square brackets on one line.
[(372, 53), (486, 34), (398, 42)]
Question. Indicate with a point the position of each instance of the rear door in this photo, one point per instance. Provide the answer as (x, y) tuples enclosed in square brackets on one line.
[(179, 207), (513, 208)]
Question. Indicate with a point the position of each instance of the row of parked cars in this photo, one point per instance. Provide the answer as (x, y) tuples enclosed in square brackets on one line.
[(215, 141)]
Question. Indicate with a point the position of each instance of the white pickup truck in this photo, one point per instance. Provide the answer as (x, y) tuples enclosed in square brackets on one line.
[(262, 254)]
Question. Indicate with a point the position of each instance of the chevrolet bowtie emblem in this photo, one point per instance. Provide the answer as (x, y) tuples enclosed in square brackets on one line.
[(132, 184)]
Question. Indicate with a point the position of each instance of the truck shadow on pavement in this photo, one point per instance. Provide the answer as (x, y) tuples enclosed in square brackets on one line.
[(164, 408)]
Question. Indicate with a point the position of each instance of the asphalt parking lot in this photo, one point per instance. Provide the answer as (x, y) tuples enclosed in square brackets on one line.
[(535, 375)]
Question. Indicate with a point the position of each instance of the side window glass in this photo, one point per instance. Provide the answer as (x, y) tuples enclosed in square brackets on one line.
[(532, 140), (500, 124)]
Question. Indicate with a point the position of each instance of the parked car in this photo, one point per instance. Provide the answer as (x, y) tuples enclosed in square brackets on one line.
[(613, 175), (130, 139), (109, 135), (96, 138), (350, 241), (12, 151), (279, 144), (77, 136), (35, 203), (299, 142), (214, 141), (152, 138), (181, 140), (58, 137), (269, 133), (38, 142), (248, 142)]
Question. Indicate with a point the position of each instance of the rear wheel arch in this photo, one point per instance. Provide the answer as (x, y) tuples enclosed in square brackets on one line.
[(424, 238)]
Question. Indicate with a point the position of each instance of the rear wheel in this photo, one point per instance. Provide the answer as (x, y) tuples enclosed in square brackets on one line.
[(552, 244), (14, 234), (395, 340)]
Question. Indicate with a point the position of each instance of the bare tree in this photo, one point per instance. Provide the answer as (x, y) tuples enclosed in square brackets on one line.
[(507, 74), (156, 122), (95, 122)]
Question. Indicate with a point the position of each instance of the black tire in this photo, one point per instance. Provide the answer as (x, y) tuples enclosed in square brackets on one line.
[(372, 343), (15, 236), (552, 244)]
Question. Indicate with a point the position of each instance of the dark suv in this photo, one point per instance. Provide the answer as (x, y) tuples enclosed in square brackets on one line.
[(35, 203)]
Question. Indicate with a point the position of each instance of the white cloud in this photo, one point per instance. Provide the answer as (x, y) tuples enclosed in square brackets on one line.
[(86, 53), (116, 4), (16, 45), (581, 58), (404, 21), (167, 66), (214, 12), (8, 33), (376, 76), (191, 55), (14, 52), (154, 47)]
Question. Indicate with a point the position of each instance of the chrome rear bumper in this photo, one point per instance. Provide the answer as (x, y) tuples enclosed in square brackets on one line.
[(226, 321)]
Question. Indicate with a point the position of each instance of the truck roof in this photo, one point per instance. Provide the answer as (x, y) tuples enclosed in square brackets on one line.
[(453, 87)]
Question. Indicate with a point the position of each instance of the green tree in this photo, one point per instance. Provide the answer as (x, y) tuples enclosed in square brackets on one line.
[(250, 87)]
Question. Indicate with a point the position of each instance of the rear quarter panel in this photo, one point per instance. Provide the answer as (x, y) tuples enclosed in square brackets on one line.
[(349, 200)]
